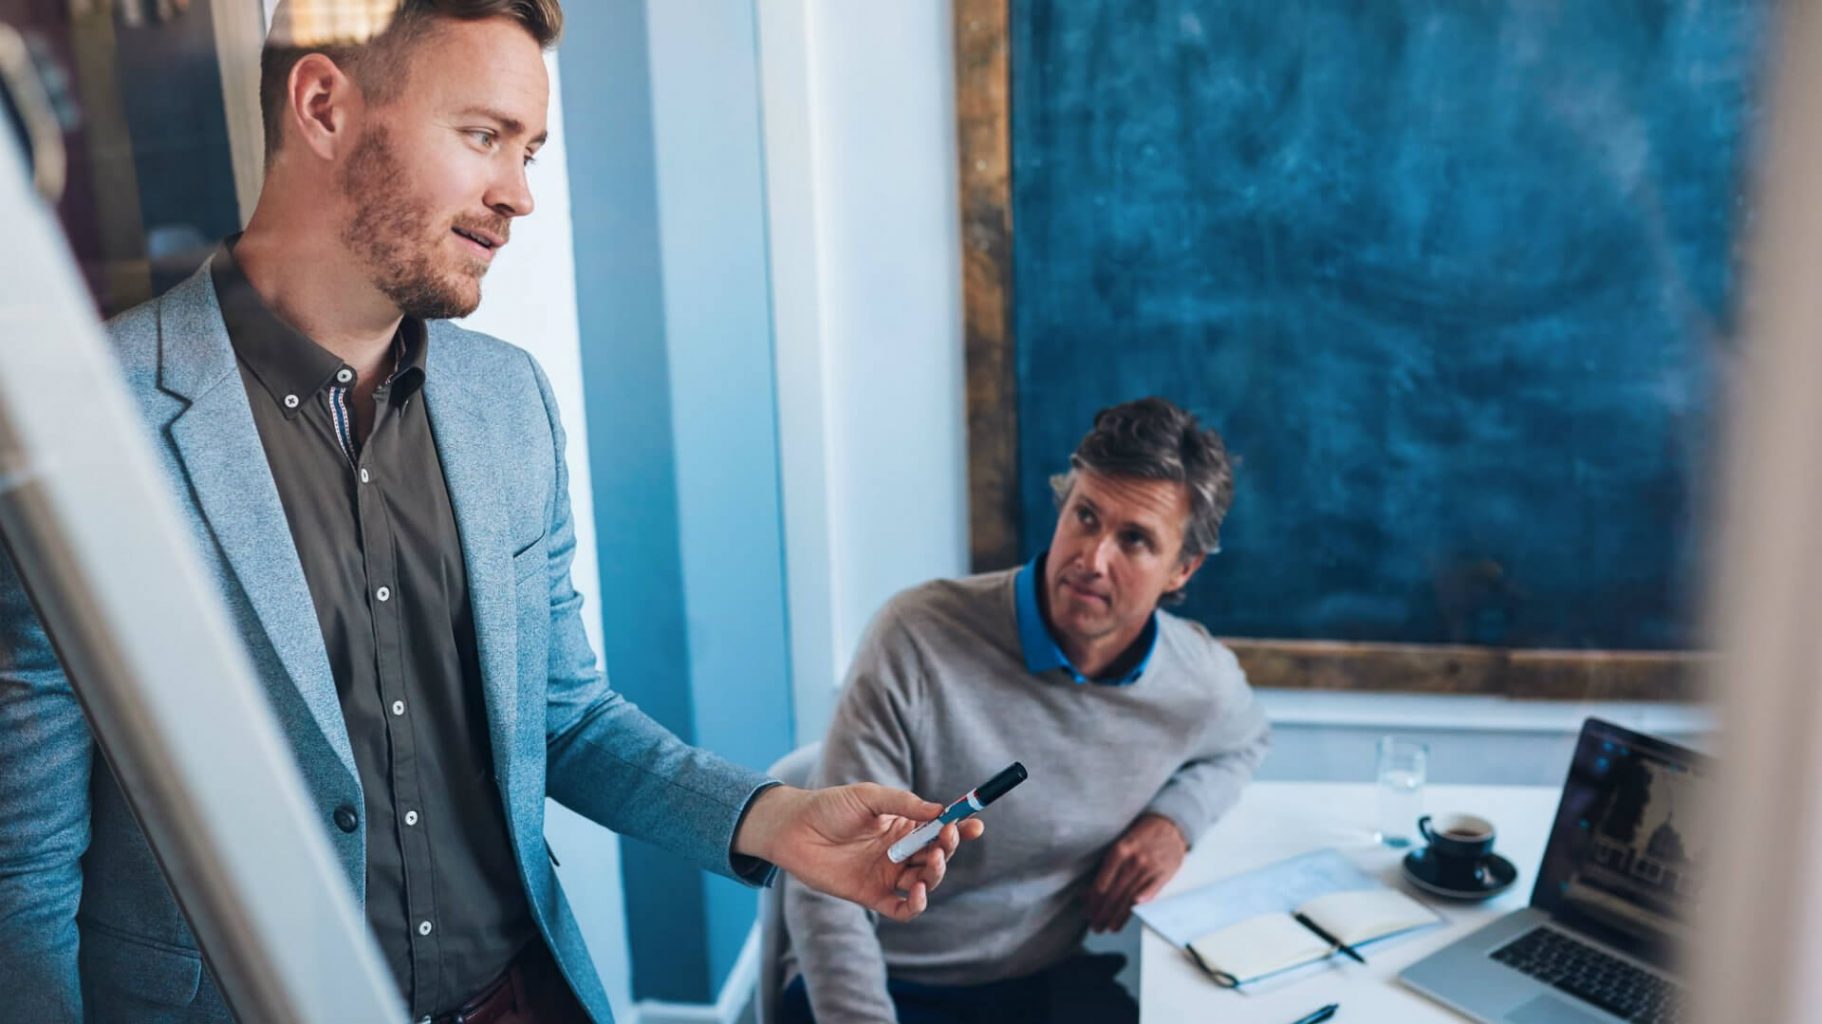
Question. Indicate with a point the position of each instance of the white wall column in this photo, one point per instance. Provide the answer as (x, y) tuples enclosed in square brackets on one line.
[(859, 122)]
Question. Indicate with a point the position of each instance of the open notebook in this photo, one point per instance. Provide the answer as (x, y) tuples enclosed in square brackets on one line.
[(1241, 928), (1270, 943)]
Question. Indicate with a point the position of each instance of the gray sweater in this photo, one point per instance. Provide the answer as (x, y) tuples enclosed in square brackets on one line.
[(939, 698)]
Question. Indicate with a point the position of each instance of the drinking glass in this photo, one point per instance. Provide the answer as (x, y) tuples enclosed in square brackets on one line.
[(1402, 765)]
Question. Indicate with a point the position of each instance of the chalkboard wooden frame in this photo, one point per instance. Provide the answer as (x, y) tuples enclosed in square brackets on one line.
[(983, 124), (983, 108)]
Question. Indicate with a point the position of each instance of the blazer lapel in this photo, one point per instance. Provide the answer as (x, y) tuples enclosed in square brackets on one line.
[(221, 452), (469, 453)]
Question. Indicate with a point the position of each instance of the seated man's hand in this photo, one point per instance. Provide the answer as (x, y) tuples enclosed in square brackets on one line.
[(835, 840), (1133, 871)]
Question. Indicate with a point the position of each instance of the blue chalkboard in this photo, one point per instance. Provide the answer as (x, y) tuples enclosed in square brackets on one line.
[(1454, 278)]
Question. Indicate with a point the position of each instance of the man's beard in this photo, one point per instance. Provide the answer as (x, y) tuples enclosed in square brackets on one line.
[(390, 231)]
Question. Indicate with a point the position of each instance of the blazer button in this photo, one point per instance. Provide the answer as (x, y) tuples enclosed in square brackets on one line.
[(346, 819)]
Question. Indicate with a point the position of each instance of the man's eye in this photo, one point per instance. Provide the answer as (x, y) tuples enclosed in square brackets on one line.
[(482, 136)]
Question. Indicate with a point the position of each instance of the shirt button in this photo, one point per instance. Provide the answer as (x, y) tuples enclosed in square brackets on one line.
[(411, 817), (290, 401), (344, 375), (346, 819), (398, 707), (383, 594), (363, 476), (423, 927)]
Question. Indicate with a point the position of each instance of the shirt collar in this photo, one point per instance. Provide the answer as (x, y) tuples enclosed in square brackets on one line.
[(286, 361), (1042, 652)]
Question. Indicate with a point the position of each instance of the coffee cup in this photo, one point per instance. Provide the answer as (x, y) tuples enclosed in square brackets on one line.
[(1460, 844)]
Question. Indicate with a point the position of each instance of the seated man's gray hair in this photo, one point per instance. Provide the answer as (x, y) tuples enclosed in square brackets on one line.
[(1153, 439)]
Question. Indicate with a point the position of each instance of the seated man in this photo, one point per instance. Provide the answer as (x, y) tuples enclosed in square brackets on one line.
[(1137, 727)]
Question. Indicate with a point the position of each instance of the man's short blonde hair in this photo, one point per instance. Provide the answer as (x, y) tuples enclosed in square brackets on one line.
[(373, 40)]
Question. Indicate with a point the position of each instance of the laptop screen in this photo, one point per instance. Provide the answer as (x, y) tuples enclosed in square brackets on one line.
[(1625, 859)]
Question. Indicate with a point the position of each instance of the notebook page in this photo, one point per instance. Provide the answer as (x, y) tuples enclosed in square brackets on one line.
[(1260, 946), (1362, 916), (1185, 916)]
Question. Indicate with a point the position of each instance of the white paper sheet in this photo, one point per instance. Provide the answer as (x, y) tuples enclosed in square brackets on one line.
[(1279, 887)]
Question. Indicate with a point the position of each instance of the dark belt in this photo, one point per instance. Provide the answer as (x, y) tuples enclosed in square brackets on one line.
[(530, 989)]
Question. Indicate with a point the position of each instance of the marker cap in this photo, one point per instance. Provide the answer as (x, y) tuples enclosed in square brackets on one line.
[(1000, 784)]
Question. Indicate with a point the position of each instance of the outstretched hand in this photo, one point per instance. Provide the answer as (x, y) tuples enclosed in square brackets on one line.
[(834, 840)]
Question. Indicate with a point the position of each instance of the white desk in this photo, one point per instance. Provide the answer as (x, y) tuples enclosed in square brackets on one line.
[(1275, 820)]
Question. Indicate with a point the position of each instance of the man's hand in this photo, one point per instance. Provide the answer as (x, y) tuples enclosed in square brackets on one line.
[(835, 840), (1139, 864)]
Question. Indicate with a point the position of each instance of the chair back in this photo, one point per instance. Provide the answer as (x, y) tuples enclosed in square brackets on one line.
[(793, 769)]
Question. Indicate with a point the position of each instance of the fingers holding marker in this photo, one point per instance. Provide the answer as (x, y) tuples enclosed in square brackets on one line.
[(904, 908), (970, 804), (886, 800), (923, 853)]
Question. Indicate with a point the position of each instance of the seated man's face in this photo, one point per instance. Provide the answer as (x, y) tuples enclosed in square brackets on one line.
[(1117, 549)]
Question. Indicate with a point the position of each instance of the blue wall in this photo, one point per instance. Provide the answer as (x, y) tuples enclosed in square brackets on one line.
[(711, 200), (665, 171)]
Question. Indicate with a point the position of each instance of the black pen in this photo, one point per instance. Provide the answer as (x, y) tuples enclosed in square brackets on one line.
[(1326, 937), (1320, 1015)]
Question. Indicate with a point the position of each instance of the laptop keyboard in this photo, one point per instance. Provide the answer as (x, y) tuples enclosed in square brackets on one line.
[(1593, 976)]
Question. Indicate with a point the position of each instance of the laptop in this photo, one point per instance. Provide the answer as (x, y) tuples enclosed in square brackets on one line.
[(1609, 911)]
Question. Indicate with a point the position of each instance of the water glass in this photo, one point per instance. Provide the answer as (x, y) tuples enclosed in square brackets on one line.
[(1402, 764)]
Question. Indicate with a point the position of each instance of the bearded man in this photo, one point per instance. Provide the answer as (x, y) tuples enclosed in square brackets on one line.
[(382, 499)]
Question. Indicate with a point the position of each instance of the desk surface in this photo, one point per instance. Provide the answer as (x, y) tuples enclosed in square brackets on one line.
[(1275, 820)]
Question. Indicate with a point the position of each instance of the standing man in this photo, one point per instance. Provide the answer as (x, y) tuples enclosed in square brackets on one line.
[(383, 501), (1138, 729)]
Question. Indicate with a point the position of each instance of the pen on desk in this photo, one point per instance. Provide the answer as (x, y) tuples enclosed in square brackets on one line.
[(1320, 1015), (1326, 937)]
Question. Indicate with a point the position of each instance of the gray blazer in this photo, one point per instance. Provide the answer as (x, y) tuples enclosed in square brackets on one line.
[(87, 922)]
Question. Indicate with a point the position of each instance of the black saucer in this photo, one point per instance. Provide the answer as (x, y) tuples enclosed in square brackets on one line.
[(1421, 870)]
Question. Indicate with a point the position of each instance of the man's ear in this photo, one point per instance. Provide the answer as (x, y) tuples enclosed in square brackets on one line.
[(321, 100), (1185, 569)]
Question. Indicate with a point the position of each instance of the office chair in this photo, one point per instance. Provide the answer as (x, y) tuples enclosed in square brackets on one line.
[(793, 769)]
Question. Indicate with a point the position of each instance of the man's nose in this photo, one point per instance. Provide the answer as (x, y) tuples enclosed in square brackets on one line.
[(511, 195), (1099, 555)]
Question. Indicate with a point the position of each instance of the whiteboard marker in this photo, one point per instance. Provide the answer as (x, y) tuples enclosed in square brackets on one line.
[(976, 800)]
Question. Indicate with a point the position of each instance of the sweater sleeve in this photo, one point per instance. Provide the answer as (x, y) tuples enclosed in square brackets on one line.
[(1209, 784), (870, 740)]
